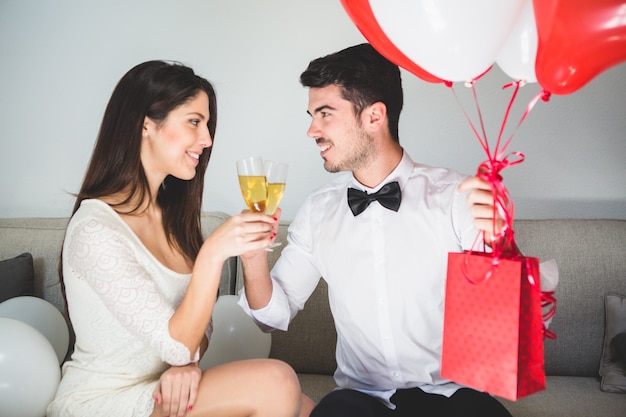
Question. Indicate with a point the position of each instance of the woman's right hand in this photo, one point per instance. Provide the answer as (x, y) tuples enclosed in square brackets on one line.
[(237, 235)]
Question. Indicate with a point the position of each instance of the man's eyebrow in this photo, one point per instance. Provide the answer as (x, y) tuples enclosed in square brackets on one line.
[(320, 108)]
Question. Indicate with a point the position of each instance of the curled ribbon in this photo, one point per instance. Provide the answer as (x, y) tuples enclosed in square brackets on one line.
[(548, 301), (503, 242), (497, 160)]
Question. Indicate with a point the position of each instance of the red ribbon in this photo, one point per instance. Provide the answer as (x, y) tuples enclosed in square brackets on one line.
[(497, 160), (548, 300), (490, 171)]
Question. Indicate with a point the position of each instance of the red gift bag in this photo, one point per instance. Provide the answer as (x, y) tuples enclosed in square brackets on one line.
[(493, 331)]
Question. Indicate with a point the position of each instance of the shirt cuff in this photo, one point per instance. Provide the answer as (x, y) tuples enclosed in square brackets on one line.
[(275, 315)]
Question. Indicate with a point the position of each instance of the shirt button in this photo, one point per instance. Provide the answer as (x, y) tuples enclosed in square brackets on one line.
[(395, 374)]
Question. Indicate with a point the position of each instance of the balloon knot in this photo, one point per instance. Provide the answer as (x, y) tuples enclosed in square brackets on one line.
[(546, 96), (448, 84)]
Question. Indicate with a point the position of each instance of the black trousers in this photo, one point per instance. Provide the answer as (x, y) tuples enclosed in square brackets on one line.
[(413, 402)]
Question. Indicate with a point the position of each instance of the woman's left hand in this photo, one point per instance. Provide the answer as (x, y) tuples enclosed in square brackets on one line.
[(177, 389)]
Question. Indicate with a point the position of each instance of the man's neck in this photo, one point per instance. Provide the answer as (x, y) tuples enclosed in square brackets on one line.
[(385, 162)]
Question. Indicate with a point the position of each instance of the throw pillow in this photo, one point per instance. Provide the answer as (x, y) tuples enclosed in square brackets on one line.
[(612, 368), (16, 276), (618, 343)]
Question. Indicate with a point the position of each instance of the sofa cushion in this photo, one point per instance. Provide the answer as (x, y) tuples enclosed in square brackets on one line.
[(568, 396), (16, 276), (612, 367)]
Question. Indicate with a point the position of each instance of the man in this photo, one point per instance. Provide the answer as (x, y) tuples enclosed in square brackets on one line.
[(384, 261)]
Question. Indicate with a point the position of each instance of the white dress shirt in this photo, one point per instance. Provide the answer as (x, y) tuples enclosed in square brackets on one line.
[(386, 274)]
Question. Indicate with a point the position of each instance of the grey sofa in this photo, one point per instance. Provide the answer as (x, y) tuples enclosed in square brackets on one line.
[(591, 255)]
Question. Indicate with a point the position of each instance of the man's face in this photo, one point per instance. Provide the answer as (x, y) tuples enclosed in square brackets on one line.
[(344, 144)]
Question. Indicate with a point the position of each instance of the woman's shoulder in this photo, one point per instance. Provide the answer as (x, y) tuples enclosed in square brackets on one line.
[(96, 209), (96, 228), (94, 204), (96, 214)]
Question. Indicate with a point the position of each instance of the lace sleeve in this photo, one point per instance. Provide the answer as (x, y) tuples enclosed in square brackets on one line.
[(105, 259)]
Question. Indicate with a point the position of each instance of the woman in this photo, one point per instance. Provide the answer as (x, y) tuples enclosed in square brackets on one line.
[(140, 281)]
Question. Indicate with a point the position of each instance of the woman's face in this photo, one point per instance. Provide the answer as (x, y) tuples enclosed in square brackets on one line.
[(174, 146)]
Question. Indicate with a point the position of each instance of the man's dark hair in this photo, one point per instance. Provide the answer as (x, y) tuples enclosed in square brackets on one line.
[(365, 77)]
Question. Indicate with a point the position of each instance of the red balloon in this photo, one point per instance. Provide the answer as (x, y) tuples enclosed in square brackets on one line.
[(577, 40), (362, 16)]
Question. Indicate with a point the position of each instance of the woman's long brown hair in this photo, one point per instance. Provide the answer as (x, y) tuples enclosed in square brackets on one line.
[(151, 89)]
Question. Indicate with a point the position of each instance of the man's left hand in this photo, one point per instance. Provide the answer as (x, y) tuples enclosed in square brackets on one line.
[(480, 200)]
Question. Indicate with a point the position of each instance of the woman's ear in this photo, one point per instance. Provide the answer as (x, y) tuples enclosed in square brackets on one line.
[(148, 126)]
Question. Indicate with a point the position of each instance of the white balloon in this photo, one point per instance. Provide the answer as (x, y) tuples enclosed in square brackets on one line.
[(29, 370), (235, 335), (455, 40), (517, 56), (43, 316)]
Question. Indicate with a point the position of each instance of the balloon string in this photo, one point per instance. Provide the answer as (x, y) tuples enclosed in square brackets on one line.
[(489, 170), (482, 140), (505, 119), (503, 205), (544, 95), (480, 115)]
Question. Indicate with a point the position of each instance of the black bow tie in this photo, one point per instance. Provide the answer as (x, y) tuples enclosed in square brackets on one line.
[(389, 196)]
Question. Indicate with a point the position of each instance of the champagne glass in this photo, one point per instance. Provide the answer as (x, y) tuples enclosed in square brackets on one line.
[(276, 176), (252, 182)]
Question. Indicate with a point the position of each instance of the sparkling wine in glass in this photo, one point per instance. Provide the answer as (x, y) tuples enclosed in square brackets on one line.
[(253, 183), (276, 176)]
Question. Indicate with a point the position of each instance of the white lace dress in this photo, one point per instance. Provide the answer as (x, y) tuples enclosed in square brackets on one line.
[(120, 299)]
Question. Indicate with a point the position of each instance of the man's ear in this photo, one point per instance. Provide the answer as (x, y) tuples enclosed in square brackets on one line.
[(375, 116)]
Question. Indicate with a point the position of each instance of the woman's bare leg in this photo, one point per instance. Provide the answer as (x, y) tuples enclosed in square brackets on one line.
[(251, 388), (307, 405)]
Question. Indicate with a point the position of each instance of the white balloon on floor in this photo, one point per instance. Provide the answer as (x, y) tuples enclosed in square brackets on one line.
[(235, 335), (29, 370), (43, 316)]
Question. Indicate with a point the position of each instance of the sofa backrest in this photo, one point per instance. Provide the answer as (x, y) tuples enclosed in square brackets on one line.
[(43, 238), (590, 254)]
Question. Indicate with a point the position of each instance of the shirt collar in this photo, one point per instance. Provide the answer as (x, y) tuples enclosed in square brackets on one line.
[(400, 173)]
